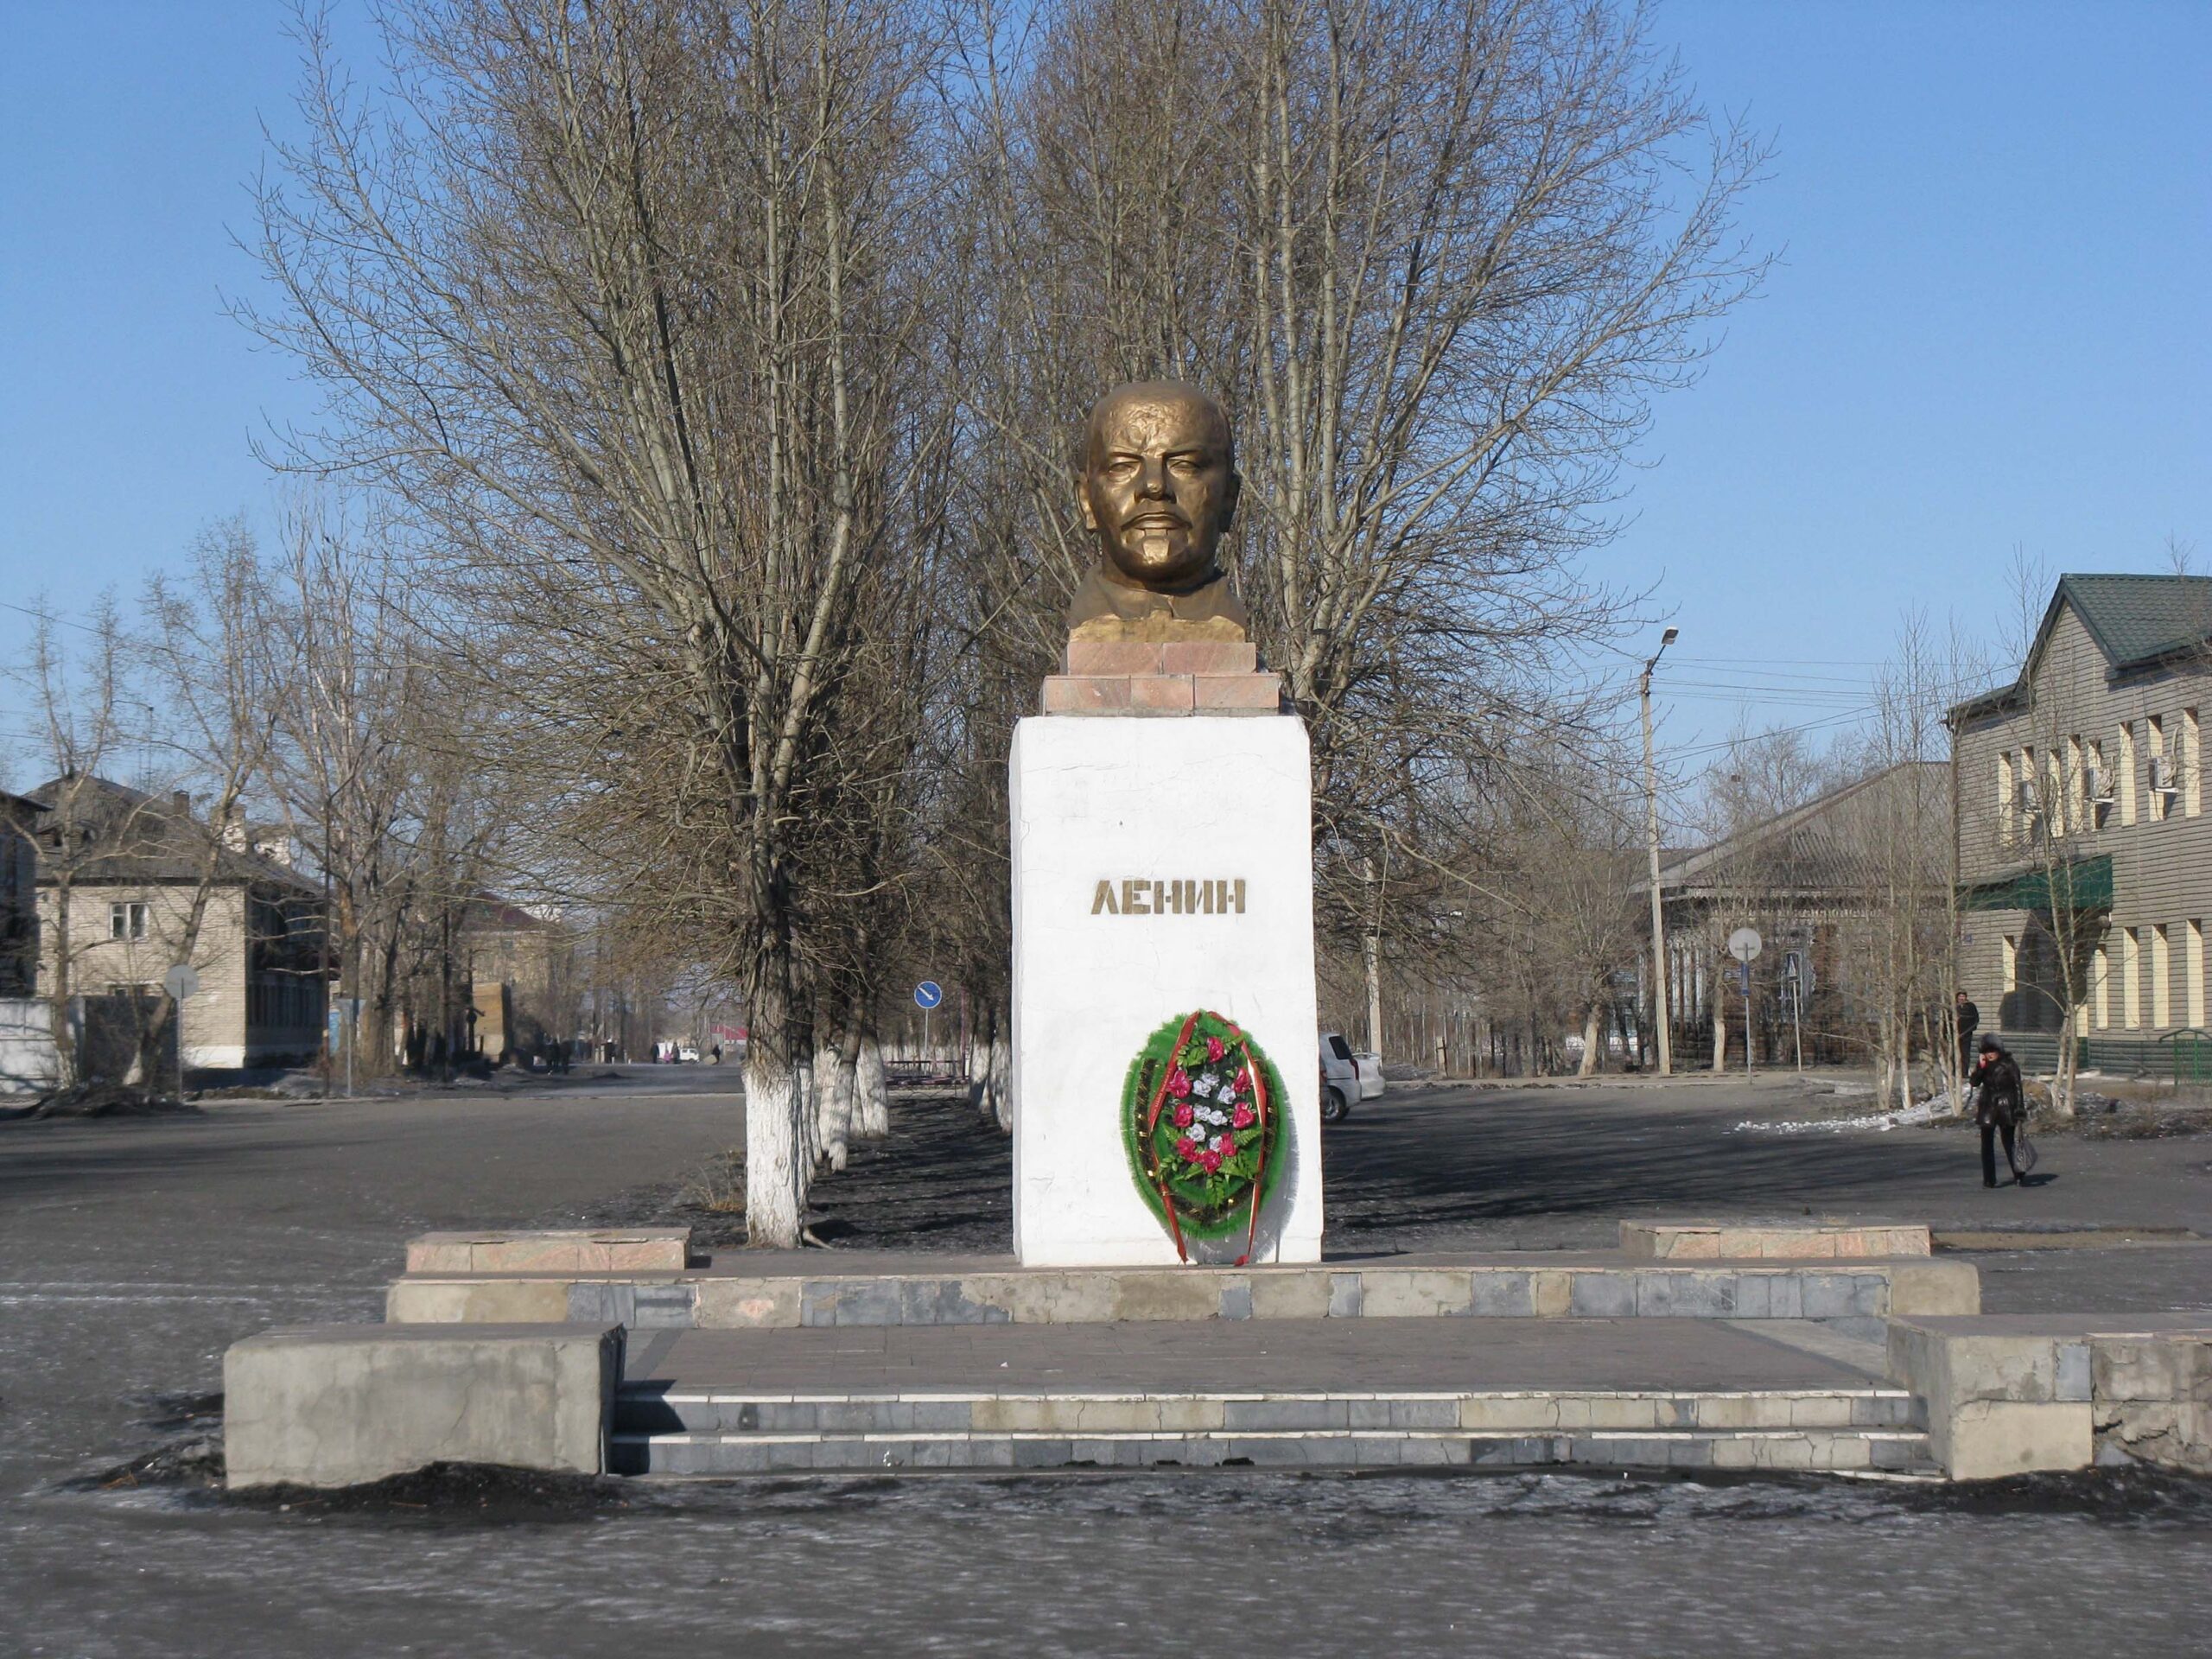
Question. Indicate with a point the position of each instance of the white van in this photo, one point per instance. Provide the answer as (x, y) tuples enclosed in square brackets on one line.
[(1346, 1077)]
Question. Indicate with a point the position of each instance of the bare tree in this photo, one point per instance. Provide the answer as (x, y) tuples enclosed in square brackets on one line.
[(612, 297), (79, 695)]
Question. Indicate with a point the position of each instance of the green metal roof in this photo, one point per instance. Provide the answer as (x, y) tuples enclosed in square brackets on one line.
[(2081, 883), (2135, 620)]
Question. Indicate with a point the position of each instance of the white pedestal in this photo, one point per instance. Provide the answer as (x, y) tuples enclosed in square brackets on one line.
[(1196, 799)]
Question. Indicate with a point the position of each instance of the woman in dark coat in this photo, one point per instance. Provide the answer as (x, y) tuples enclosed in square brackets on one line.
[(2000, 1103)]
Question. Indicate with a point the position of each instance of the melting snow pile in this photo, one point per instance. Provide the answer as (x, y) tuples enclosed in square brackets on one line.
[(1935, 1106)]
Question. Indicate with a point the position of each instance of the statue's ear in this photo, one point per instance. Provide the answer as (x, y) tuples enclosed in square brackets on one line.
[(1229, 500), (1083, 501)]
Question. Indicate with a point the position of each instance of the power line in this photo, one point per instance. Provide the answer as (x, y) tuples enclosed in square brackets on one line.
[(60, 621)]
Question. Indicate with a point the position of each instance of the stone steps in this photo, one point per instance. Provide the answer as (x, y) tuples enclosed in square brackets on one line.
[(659, 1430)]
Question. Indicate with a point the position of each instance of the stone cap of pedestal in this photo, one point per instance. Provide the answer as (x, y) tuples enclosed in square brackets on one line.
[(1157, 693), (1119, 657), (1155, 677)]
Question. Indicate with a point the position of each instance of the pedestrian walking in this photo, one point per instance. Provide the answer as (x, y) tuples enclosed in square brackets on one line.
[(2000, 1103), (1966, 1019)]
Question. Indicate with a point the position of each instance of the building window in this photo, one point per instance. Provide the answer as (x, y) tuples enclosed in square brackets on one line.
[(2098, 786), (2131, 977), (2161, 769), (2008, 809), (2054, 799), (2009, 967), (2162, 977), (2127, 771), (2192, 793), (2100, 989), (2193, 972), (126, 921)]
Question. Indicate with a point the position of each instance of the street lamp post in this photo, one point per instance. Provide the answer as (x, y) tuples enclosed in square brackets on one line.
[(1651, 847)]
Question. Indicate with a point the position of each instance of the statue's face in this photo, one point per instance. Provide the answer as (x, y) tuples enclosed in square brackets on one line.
[(1158, 484)]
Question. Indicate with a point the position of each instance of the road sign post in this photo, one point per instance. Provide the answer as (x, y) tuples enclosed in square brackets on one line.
[(1744, 945), (927, 995), (1797, 976)]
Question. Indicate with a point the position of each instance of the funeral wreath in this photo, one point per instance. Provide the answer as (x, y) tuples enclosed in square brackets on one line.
[(1202, 1113)]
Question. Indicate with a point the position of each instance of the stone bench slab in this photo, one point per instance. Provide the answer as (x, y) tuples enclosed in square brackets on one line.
[(603, 1249), (1697, 1241), (338, 1405)]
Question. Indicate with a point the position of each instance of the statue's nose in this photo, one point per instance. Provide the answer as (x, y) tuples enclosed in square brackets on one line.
[(1152, 481)]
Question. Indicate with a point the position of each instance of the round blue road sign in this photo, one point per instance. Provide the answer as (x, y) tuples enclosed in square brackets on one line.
[(928, 994)]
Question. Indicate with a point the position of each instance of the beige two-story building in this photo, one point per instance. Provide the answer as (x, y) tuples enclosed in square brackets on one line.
[(2085, 853), (119, 872)]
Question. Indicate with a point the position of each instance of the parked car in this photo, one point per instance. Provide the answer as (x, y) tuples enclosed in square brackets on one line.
[(688, 1053), (1347, 1076)]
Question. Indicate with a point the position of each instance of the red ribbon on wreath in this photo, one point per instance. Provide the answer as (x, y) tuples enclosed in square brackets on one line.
[(1259, 1175), (1151, 1122)]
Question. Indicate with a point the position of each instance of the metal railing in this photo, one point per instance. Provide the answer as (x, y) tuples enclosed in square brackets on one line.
[(2191, 1056)]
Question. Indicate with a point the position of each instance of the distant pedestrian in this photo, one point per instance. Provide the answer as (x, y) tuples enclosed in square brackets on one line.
[(2000, 1102), (1968, 1018)]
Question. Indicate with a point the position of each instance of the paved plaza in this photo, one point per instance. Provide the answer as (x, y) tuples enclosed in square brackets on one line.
[(136, 1251)]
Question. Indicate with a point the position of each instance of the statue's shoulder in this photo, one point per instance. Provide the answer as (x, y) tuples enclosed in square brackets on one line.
[(1109, 610)]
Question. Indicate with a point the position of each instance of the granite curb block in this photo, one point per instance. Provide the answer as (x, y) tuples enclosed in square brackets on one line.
[(1855, 1294), (337, 1405)]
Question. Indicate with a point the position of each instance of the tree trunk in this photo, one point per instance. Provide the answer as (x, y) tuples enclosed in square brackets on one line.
[(776, 1169), (871, 1097), (841, 1099), (977, 1061), (1719, 1037), (1001, 1079), (1590, 1029)]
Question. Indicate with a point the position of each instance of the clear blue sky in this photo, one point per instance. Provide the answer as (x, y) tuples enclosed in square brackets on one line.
[(1987, 329)]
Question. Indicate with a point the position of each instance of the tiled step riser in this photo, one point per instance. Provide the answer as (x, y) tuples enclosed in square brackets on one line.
[(642, 1413), (1896, 1452), (1838, 1292)]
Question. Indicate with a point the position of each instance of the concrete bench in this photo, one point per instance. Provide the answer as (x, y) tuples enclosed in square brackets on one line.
[(1714, 1241), (596, 1250), (334, 1404)]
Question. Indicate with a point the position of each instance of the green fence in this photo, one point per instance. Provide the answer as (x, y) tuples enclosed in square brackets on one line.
[(2190, 1054)]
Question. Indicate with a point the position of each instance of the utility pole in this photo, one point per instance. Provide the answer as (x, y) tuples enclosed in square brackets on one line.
[(1652, 846)]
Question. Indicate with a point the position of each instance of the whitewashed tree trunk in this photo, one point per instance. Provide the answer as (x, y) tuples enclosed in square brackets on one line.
[(871, 1096), (1589, 1043), (835, 1075), (1719, 1037), (775, 1185), (979, 1074), (1002, 1080)]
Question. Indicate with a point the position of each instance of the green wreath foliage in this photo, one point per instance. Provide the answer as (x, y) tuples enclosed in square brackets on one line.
[(1212, 1194)]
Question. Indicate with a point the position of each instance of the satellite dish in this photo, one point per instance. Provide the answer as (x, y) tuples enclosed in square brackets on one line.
[(1744, 943), (182, 981)]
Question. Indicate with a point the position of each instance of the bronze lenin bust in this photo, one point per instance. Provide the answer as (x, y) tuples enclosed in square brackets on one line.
[(1158, 487)]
